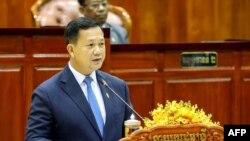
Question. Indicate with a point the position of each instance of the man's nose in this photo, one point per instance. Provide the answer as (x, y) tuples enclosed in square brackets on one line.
[(97, 50), (102, 7)]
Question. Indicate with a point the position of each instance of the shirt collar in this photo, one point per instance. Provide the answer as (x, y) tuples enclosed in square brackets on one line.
[(80, 77), (106, 25)]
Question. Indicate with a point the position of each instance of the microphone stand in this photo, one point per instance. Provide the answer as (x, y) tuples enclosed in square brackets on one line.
[(105, 84)]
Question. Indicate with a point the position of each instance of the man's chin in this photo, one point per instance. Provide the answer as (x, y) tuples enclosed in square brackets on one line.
[(96, 67), (101, 21)]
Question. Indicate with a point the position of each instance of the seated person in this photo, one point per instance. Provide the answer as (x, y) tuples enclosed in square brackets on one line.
[(58, 12), (98, 10)]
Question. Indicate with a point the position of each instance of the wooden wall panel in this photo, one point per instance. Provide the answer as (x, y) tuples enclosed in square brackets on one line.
[(245, 57), (135, 62), (187, 21), (162, 21), (245, 98), (16, 13), (142, 95), (44, 45), (216, 89), (14, 45), (12, 104), (45, 71), (212, 94), (245, 88)]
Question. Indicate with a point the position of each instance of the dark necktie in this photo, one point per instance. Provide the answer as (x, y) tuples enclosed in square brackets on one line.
[(94, 104)]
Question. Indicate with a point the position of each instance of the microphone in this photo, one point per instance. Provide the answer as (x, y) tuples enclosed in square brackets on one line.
[(106, 84)]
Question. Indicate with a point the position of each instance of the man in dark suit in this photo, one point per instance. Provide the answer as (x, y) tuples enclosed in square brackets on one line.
[(61, 108), (98, 10)]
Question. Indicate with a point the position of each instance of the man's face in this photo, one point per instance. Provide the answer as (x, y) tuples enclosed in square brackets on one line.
[(88, 53), (96, 9)]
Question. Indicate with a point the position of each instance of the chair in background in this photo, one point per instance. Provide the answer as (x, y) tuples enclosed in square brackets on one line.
[(61, 12)]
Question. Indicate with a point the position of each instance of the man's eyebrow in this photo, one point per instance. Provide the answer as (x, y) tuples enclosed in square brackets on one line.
[(91, 40)]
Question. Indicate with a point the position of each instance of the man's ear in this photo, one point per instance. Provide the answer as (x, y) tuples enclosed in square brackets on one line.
[(70, 49)]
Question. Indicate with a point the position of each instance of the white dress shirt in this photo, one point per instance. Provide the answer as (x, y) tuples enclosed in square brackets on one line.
[(95, 86)]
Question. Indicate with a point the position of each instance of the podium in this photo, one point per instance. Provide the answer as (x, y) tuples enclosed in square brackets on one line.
[(188, 132)]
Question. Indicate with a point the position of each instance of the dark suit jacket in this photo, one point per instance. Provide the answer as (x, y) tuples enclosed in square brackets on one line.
[(60, 111), (118, 35)]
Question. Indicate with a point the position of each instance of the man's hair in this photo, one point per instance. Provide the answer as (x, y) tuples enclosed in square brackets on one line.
[(72, 29), (81, 2)]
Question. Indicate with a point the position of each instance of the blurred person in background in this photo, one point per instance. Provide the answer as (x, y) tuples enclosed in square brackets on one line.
[(98, 10)]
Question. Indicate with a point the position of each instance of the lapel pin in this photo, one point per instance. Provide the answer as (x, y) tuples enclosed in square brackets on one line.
[(107, 95)]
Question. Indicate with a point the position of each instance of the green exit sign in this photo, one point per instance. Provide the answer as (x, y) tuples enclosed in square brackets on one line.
[(199, 59)]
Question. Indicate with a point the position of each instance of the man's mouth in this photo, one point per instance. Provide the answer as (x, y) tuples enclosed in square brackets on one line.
[(97, 60), (101, 17)]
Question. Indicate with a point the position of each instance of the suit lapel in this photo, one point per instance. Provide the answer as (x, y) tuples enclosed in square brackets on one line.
[(73, 90), (108, 100)]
